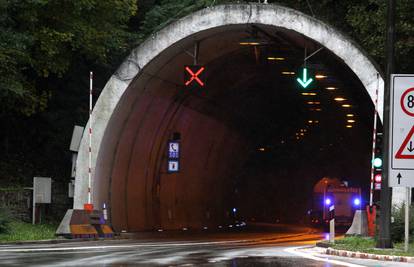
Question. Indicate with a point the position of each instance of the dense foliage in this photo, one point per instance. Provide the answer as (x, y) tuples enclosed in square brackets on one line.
[(47, 48), (4, 221), (398, 223)]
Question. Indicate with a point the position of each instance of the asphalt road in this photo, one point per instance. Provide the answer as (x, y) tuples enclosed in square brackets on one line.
[(246, 248)]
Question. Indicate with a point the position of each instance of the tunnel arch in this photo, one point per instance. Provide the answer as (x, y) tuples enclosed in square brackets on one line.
[(205, 21)]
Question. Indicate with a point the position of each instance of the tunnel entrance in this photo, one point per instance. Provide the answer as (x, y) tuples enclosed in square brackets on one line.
[(253, 141)]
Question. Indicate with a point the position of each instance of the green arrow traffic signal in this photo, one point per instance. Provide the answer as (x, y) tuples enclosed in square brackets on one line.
[(305, 82)]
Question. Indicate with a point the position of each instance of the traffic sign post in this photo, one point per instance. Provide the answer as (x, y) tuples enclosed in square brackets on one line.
[(401, 147), (401, 150)]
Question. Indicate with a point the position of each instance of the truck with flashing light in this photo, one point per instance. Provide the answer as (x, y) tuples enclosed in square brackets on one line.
[(332, 192)]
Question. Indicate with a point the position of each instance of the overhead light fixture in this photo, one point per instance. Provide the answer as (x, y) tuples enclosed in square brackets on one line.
[(349, 126), (249, 43), (315, 109), (312, 94), (350, 115), (288, 73), (320, 76), (310, 121), (331, 88), (351, 121), (276, 58), (252, 39), (346, 105), (339, 99), (262, 149)]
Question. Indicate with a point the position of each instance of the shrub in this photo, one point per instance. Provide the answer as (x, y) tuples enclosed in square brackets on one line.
[(5, 220), (397, 226)]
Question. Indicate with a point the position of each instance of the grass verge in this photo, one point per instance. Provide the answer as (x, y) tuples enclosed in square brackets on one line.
[(367, 245), (21, 231)]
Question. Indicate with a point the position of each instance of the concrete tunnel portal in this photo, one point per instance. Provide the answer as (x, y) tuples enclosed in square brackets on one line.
[(247, 137)]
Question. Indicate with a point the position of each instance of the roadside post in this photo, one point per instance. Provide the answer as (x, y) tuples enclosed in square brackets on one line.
[(42, 193), (332, 224), (384, 237), (407, 219), (89, 206)]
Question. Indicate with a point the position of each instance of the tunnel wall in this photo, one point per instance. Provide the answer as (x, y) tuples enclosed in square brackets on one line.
[(134, 181), (114, 97)]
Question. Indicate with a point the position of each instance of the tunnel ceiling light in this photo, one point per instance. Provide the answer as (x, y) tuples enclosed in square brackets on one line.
[(339, 99), (310, 121), (311, 94), (320, 76), (350, 115), (288, 73), (275, 58), (262, 149), (331, 88), (351, 121), (315, 109), (250, 41), (346, 105), (349, 126)]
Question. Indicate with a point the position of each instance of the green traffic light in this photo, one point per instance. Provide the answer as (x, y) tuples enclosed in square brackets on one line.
[(377, 162)]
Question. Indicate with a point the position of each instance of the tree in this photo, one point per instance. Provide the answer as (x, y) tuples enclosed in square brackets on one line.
[(47, 48), (43, 38)]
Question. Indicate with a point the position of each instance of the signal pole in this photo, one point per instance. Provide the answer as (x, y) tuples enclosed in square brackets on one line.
[(384, 238)]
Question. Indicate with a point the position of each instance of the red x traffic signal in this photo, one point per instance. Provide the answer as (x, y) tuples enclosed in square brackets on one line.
[(194, 76)]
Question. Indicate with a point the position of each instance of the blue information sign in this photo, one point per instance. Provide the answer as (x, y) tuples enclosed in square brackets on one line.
[(173, 165), (173, 150), (173, 156)]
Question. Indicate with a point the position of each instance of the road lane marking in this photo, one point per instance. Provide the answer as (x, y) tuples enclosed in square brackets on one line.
[(280, 239), (293, 250)]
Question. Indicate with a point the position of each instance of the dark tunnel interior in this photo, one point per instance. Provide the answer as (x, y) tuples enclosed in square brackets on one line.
[(252, 138)]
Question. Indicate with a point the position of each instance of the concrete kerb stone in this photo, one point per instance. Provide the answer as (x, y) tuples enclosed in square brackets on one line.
[(57, 241), (362, 255)]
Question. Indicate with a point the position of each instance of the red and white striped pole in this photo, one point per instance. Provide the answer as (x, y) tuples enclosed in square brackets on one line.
[(374, 141), (90, 138)]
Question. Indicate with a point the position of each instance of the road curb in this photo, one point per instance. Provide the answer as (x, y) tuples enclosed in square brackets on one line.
[(361, 255), (56, 241)]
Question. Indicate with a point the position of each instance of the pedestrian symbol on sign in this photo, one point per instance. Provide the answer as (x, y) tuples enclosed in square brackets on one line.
[(406, 150), (173, 165)]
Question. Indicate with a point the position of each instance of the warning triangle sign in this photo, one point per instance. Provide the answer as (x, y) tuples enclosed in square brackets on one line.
[(406, 151)]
